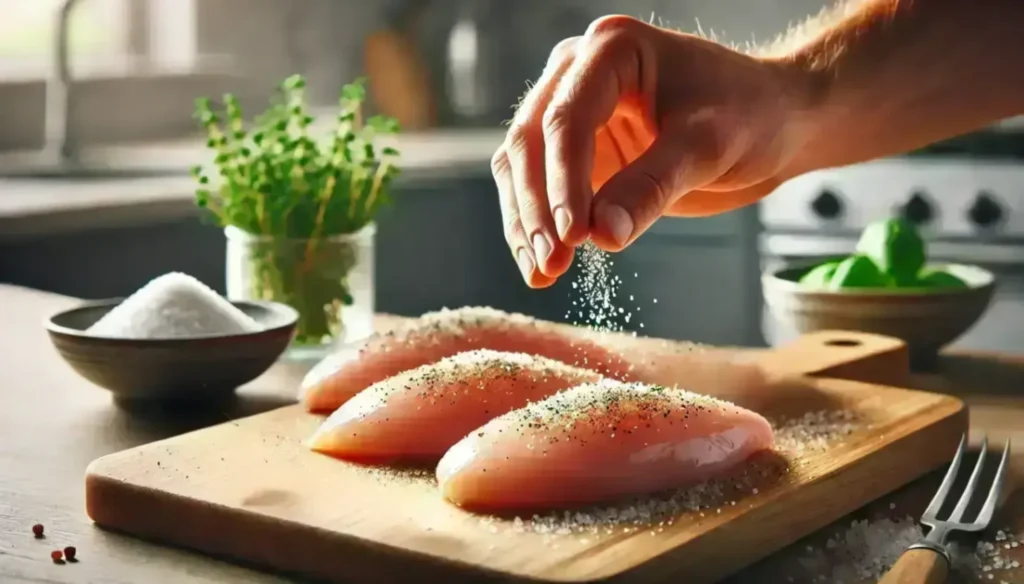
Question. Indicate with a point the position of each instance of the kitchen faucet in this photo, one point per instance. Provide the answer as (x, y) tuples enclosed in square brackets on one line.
[(59, 138)]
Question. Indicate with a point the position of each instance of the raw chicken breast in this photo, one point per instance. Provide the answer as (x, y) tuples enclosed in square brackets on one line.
[(437, 335), (417, 415), (599, 442)]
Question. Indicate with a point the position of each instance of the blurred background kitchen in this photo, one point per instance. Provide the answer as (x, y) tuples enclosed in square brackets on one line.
[(96, 136)]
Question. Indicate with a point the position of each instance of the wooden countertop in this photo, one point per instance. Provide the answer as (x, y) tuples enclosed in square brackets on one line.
[(54, 423)]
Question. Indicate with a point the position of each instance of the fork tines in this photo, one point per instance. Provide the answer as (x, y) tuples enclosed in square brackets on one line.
[(956, 518)]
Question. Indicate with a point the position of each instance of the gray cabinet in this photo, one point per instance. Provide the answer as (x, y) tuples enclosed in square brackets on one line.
[(103, 263), (687, 290), (441, 244)]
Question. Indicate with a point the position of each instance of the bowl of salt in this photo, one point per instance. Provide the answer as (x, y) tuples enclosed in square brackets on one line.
[(173, 339)]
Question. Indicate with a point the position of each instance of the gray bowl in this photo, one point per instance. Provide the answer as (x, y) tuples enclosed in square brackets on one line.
[(925, 319), (194, 368)]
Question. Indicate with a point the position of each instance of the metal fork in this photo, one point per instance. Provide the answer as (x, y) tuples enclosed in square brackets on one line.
[(928, 561)]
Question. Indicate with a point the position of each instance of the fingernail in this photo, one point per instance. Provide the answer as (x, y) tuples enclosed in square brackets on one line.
[(618, 222), (562, 222), (541, 247), (525, 263)]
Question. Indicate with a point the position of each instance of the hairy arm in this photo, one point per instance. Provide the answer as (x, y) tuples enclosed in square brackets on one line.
[(881, 77)]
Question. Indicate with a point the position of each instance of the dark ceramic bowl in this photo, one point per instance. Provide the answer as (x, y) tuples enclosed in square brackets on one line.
[(925, 319), (195, 368)]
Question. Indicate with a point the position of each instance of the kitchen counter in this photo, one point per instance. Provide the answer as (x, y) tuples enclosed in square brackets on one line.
[(55, 423), (43, 206)]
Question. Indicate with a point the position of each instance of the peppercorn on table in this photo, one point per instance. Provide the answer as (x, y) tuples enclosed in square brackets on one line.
[(55, 424)]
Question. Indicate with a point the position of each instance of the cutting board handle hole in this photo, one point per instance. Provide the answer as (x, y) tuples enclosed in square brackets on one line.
[(843, 343)]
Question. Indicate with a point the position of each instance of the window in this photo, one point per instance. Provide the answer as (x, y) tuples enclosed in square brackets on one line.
[(27, 34), (136, 66)]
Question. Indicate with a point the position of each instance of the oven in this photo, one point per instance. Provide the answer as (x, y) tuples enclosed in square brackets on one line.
[(966, 196)]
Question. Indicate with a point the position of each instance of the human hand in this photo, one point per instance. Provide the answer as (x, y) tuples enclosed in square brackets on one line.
[(631, 122)]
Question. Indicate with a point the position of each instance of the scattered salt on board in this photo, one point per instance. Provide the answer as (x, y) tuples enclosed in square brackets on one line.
[(174, 305), (867, 550), (864, 552)]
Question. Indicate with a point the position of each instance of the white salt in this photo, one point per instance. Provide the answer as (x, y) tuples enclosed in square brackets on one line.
[(174, 305), (595, 291), (867, 549), (993, 556), (863, 552)]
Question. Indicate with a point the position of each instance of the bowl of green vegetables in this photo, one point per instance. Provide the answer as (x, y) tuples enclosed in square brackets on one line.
[(888, 287)]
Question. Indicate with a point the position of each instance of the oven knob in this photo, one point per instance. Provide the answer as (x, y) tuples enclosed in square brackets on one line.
[(827, 205), (985, 211), (917, 210)]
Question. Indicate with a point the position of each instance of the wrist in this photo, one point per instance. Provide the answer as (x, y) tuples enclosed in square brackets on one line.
[(803, 89)]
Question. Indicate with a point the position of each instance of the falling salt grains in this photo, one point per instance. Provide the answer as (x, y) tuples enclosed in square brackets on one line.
[(595, 292)]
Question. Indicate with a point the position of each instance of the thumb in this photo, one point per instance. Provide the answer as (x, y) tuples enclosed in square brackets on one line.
[(679, 160)]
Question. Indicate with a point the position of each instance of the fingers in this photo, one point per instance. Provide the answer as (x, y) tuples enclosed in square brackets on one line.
[(636, 197), (690, 152), (524, 147), (519, 146), (607, 66), (545, 168), (513, 227)]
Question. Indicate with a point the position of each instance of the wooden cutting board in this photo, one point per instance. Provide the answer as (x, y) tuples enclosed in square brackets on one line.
[(248, 490)]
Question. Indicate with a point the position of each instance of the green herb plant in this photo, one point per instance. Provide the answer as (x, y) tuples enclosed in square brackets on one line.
[(296, 195)]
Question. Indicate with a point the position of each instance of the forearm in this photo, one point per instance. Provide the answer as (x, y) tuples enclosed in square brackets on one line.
[(880, 77)]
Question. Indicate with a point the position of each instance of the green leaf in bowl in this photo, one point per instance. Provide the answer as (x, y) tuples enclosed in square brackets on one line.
[(896, 248), (819, 276), (940, 278), (858, 271)]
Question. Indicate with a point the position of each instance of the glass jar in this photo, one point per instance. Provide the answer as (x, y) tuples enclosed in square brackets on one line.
[(329, 281)]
